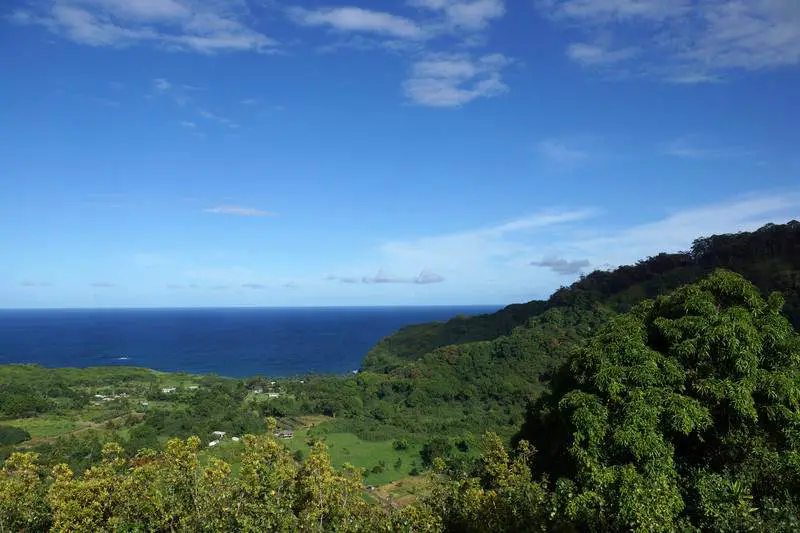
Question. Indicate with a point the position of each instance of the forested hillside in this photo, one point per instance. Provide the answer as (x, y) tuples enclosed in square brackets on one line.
[(769, 257)]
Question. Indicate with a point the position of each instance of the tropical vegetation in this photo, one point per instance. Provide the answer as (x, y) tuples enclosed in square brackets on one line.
[(663, 396)]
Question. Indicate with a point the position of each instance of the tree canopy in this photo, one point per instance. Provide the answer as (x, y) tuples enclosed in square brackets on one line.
[(683, 413)]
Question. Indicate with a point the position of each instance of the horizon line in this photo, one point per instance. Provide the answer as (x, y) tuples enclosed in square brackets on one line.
[(168, 308)]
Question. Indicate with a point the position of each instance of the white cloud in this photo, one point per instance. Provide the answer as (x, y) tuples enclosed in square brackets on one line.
[(692, 148), (188, 124), (208, 115), (437, 78), (357, 19), (676, 231), (478, 249), (616, 10), (199, 25), (596, 55), (498, 259), (239, 210), (682, 41), (425, 277), (162, 84), (465, 14), (451, 80), (558, 153)]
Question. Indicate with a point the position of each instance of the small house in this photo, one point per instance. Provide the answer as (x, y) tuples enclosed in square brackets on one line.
[(168, 390), (235, 439), (218, 434), (284, 434), (273, 394), (213, 443)]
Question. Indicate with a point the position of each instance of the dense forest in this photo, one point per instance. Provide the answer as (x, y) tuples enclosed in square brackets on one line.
[(662, 396)]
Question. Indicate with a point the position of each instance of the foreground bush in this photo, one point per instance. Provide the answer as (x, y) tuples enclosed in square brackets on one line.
[(170, 491)]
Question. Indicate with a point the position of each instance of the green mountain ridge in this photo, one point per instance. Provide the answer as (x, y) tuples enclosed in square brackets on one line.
[(769, 257)]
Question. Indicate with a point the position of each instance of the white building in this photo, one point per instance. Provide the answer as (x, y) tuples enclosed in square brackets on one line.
[(218, 434), (168, 390), (213, 443)]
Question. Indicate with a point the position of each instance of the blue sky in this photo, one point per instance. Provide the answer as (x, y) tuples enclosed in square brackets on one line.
[(212, 153)]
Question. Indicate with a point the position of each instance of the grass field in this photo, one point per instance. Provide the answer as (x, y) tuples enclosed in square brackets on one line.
[(403, 491), (348, 448), (46, 425)]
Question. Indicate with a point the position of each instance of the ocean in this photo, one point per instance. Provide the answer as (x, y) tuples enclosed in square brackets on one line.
[(230, 341)]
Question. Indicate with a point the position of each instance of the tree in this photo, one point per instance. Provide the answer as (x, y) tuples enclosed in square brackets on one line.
[(23, 495), (499, 495), (683, 413), (437, 447)]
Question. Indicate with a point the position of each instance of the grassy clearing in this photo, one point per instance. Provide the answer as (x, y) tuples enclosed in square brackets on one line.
[(403, 491), (348, 448), (45, 426)]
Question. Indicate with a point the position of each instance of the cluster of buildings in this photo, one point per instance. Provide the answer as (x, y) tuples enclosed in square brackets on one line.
[(218, 436), (170, 390), (108, 397)]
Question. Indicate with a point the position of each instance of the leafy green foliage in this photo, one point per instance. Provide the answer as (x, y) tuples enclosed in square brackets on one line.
[(683, 412), (12, 435), (171, 491)]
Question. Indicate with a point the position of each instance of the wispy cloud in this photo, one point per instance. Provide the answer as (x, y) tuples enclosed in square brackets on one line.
[(357, 19), (206, 26), (452, 80), (465, 14), (178, 93), (558, 153), (683, 41), (239, 210), (692, 148), (562, 266), (439, 17), (188, 124), (437, 77), (596, 55), (248, 101), (343, 279), (382, 277), (102, 285), (161, 84), (40, 284), (481, 250), (564, 243), (208, 115), (677, 230), (254, 286)]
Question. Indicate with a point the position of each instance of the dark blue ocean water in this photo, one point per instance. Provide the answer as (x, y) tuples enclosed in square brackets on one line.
[(229, 342)]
